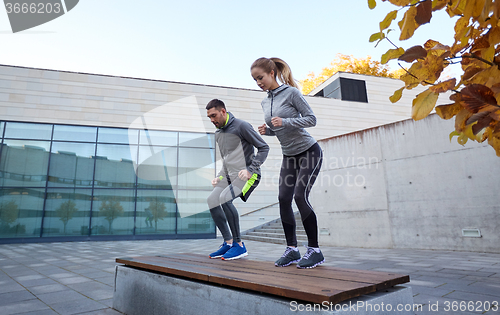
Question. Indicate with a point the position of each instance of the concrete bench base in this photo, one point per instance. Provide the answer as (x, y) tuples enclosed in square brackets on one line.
[(139, 292)]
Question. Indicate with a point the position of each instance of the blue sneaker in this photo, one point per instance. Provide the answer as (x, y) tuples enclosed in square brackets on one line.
[(221, 251), (235, 252)]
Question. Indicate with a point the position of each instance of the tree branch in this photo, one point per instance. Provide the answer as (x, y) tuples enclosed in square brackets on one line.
[(391, 42), (473, 56)]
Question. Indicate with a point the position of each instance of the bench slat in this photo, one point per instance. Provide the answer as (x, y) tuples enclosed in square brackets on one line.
[(323, 283)]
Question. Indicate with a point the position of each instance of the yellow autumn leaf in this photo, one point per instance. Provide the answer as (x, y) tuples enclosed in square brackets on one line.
[(488, 54), (439, 4), (408, 25), (400, 3), (448, 111), (392, 54), (494, 36), (462, 139), (423, 104), (397, 95), (460, 119), (454, 133), (488, 77), (494, 139), (372, 4), (444, 86), (468, 131)]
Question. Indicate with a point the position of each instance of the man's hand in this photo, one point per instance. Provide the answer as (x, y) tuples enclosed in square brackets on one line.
[(215, 181), (244, 175), (277, 122), (262, 129)]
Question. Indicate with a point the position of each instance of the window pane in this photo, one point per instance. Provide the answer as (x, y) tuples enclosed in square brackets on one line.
[(1, 128), (194, 216), (71, 165), (24, 163), (75, 133), (67, 212), (114, 166), (155, 137), (157, 167), (113, 212), (21, 212), (196, 168), (28, 131), (118, 135), (155, 212), (198, 140)]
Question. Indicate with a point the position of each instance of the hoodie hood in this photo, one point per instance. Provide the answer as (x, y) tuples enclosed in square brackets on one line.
[(228, 120), (277, 90)]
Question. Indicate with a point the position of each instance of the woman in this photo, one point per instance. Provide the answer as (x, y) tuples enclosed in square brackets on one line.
[(286, 114)]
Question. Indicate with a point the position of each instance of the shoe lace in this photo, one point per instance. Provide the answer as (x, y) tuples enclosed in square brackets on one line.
[(287, 250), (309, 252)]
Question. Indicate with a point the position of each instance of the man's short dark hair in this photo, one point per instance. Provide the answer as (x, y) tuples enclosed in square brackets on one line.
[(215, 103)]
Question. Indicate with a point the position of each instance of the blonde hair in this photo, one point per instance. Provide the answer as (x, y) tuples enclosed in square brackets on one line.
[(281, 69)]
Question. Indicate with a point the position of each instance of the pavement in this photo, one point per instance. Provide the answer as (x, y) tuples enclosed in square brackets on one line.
[(77, 277)]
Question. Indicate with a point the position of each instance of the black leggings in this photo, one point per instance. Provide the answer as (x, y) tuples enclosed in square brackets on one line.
[(297, 177)]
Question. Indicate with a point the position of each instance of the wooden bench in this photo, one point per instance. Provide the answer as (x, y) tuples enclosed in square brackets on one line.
[(323, 284)]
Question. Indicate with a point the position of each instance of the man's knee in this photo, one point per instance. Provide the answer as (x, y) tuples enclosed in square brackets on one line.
[(213, 201)]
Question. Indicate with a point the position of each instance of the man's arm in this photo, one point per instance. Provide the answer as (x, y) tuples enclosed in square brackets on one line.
[(252, 137)]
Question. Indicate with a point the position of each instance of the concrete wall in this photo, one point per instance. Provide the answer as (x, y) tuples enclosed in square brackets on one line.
[(37, 95), (404, 185)]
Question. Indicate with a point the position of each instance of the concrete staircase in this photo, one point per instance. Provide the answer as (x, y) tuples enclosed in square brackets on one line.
[(272, 232)]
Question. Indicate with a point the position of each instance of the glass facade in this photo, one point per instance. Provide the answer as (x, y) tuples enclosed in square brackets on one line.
[(76, 182)]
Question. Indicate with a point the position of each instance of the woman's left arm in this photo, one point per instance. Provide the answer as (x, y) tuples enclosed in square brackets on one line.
[(308, 118)]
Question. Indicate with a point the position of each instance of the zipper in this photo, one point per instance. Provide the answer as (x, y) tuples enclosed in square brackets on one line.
[(272, 99)]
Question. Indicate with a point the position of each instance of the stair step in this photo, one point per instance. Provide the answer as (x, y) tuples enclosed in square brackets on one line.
[(273, 232), (276, 235), (264, 239)]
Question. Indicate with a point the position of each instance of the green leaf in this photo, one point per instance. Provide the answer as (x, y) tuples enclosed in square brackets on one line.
[(372, 4), (391, 16), (392, 54), (376, 36), (397, 95)]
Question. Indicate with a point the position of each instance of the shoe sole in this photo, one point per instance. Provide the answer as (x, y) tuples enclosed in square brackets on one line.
[(214, 257), (293, 261), (236, 257), (313, 266)]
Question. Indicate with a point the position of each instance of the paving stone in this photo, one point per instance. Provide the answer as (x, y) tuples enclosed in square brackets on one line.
[(42, 312), (95, 291), (61, 296), (47, 288), (73, 280), (17, 296), (12, 287), (84, 306), (23, 307)]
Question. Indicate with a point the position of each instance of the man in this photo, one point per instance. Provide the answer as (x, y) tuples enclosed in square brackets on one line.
[(239, 176)]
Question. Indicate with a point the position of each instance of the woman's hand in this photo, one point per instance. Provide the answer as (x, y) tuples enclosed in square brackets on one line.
[(262, 129), (277, 122)]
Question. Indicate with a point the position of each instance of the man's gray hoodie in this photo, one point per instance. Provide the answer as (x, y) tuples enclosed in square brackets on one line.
[(236, 141), (288, 103)]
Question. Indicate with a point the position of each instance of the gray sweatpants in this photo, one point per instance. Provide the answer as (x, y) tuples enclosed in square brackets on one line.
[(222, 209)]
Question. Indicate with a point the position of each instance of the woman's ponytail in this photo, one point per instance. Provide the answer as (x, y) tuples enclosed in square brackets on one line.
[(281, 69), (284, 72)]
